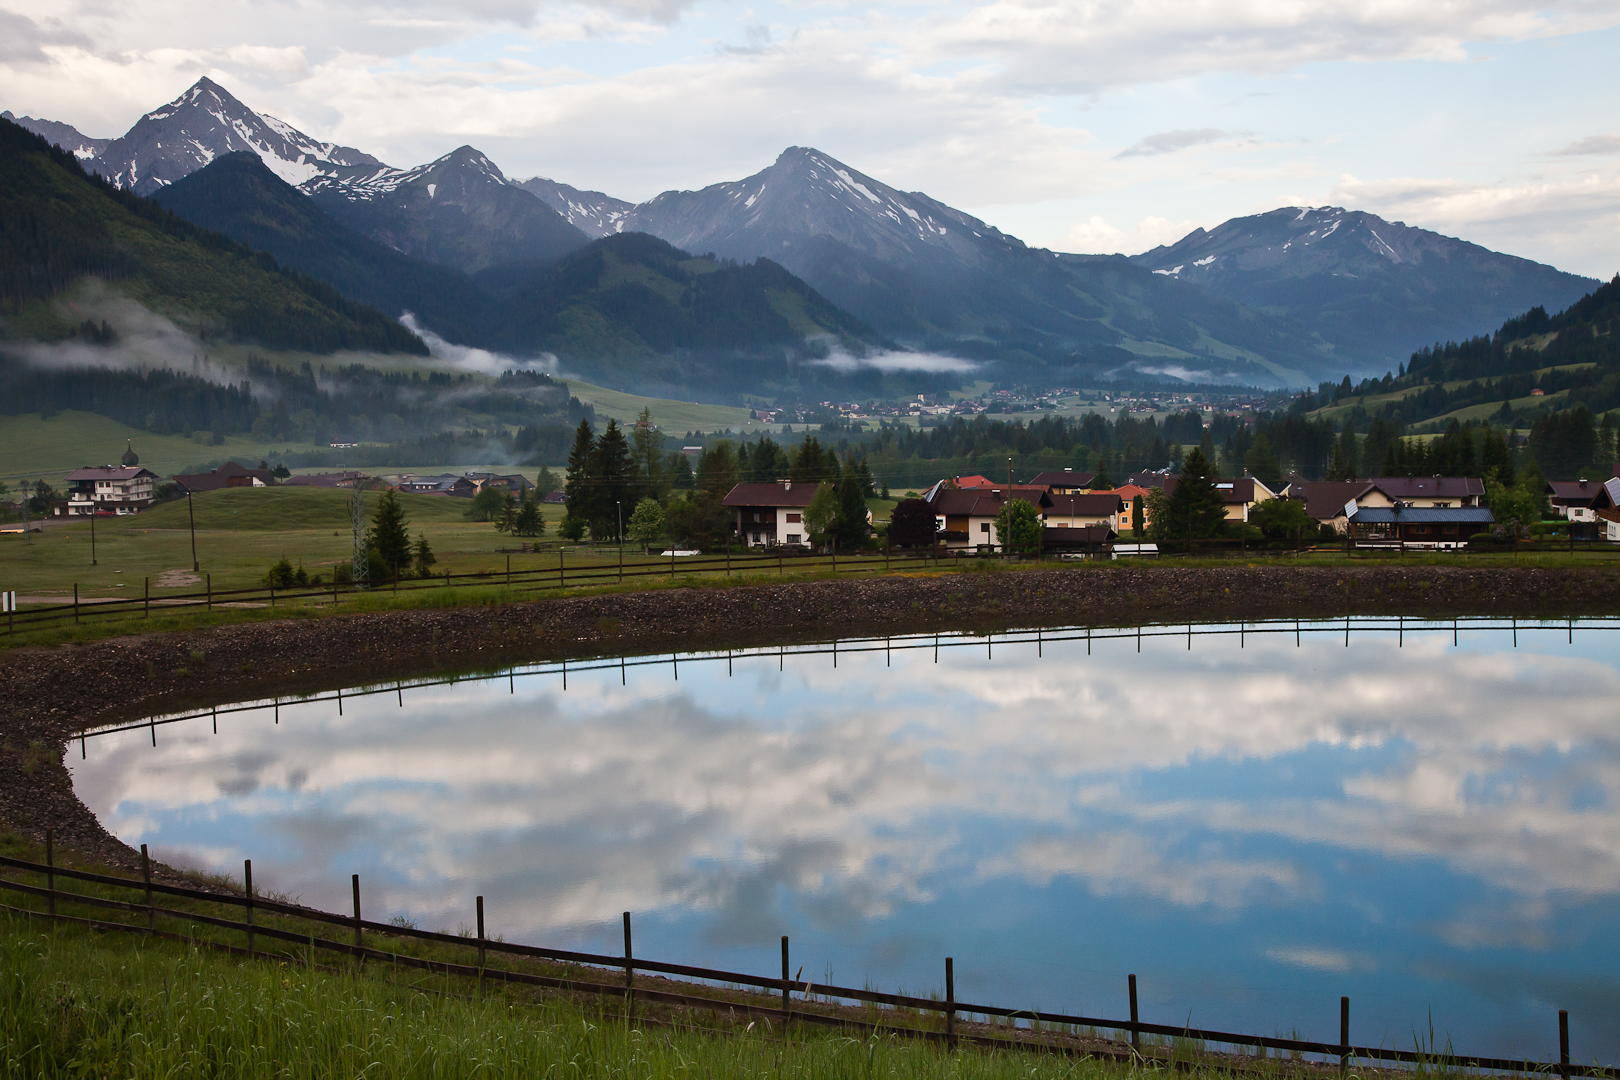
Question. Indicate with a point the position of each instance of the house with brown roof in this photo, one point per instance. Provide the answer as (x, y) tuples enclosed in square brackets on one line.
[(1077, 511), (227, 475), (1328, 501), (1127, 496), (1572, 499), (966, 517), (1067, 482), (772, 514), (105, 489)]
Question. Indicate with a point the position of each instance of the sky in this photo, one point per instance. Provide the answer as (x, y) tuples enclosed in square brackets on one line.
[(1084, 126)]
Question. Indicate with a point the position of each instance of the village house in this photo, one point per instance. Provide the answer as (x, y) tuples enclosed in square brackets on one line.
[(345, 479), (966, 517), (1572, 499), (461, 487), (107, 489), (1328, 500), (1123, 521), (1077, 511), (1419, 526), (772, 514), (228, 475), (1067, 482), (512, 482)]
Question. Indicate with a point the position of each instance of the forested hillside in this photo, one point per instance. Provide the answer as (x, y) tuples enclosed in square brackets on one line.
[(58, 225)]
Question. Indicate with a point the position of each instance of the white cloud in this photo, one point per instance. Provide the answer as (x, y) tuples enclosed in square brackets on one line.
[(879, 360), (1098, 237), (1592, 144)]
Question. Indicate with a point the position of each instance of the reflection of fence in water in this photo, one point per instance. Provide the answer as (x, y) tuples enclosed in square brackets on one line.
[(1040, 638), (827, 998)]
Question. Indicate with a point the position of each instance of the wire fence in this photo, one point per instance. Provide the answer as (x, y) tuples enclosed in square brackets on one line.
[(989, 641), (255, 926)]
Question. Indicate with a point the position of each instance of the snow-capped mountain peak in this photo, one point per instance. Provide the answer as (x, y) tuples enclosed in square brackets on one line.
[(204, 122), (65, 136), (592, 212)]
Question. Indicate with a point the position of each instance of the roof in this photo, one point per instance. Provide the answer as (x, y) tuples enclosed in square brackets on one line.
[(217, 478), (1428, 487), (1082, 535), (973, 482), (1147, 479), (1066, 478), (1127, 491), (985, 502), (311, 481), (1422, 515), (1573, 492), (1092, 504), (777, 493), (1609, 497), (1239, 489), (1326, 499), (107, 472)]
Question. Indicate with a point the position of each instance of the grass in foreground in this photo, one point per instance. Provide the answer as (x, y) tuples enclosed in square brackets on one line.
[(81, 1003)]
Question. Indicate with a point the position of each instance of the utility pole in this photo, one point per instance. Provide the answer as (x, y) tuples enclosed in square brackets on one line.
[(192, 516), (93, 532), (360, 567), (1009, 477), (618, 509)]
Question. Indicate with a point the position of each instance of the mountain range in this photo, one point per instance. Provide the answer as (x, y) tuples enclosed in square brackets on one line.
[(1287, 297)]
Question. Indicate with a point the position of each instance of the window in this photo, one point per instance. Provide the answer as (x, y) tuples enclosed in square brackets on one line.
[(792, 538), (793, 519), (984, 527)]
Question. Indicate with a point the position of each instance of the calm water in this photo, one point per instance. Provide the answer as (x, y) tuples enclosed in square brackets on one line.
[(1253, 827)]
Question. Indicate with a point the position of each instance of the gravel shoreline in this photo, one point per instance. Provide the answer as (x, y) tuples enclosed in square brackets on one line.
[(47, 695)]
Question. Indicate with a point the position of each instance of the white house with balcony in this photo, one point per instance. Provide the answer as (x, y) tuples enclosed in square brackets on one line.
[(108, 488)]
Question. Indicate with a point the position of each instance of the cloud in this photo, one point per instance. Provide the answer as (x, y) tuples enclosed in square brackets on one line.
[(1098, 237), (880, 360), (467, 358), (1591, 145), (1321, 958), (1168, 142)]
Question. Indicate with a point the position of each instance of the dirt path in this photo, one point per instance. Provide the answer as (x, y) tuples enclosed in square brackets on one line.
[(48, 694)]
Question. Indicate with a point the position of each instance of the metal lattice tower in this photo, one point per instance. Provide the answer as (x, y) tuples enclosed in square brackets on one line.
[(361, 569)]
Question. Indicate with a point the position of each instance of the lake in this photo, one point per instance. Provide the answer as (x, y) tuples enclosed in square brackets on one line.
[(1424, 818)]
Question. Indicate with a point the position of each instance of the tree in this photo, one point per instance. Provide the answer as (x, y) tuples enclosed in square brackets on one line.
[(580, 459), (912, 524), (1496, 460), (611, 469), (528, 522), (1136, 516), (506, 520), (1194, 509), (1102, 481), (679, 470), (1262, 463), (647, 460), (1605, 456), (853, 530), (424, 556), (717, 470), (487, 504), (390, 534), (571, 528), (1518, 507), (647, 522), (1342, 464), (811, 464), (40, 503), (1018, 527), (821, 516), (1283, 519)]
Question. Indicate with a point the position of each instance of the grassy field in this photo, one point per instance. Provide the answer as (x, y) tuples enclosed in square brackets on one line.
[(31, 448), (240, 533)]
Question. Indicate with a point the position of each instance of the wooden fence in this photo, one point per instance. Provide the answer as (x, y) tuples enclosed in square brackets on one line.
[(615, 976)]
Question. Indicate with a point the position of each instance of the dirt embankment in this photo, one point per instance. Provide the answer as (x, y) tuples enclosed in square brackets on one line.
[(49, 694)]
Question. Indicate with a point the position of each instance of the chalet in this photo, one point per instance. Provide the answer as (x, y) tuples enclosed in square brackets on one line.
[(228, 475), (1327, 500), (1240, 494), (1075, 511), (1067, 482), (461, 487), (106, 489), (1419, 526), (772, 514), (514, 482), (1572, 499), (966, 517)]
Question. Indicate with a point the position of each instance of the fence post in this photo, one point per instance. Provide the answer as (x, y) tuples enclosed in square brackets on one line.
[(51, 873), (272, 594), (786, 1002), (146, 876), (559, 568), (509, 571), (247, 885), (629, 972), (75, 601), (210, 587), (1344, 1037), (1563, 1043), (480, 944), (950, 1003), (358, 941), (1136, 1036)]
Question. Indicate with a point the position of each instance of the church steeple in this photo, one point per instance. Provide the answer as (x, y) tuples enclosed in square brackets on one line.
[(131, 458)]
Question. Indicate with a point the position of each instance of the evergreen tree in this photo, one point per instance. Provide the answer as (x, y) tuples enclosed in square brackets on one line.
[(912, 524), (1262, 463), (1496, 460), (506, 517), (1194, 508), (1343, 463), (528, 522), (717, 471), (424, 556), (852, 530), (390, 534), (611, 472), (581, 457), (1136, 517), (679, 471), (1606, 452), (647, 457)]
